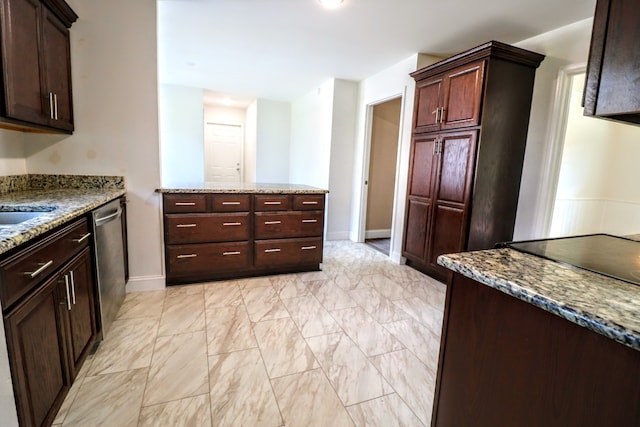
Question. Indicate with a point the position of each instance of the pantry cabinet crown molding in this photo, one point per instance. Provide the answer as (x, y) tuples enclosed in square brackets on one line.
[(62, 10)]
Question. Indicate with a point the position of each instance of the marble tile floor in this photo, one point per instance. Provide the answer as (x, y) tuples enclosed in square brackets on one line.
[(355, 344)]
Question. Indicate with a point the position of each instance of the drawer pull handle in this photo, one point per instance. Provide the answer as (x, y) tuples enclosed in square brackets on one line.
[(42, 268), (185, 203), (187, 256), (231, 253), (186, 225), (308, 248), (309, 220), (309, 203), (272, 222), (228, 224), (66, 284), (82, 239), (73, 287), (230, 203), (272, 203), (272, 250)]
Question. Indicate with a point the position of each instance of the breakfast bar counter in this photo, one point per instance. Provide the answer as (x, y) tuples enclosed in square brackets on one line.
[(530, 341)]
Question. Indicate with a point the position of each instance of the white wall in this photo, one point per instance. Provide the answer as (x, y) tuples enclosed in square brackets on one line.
[(311, 121), (389, 83), (343, 128), (586, 159), (250, 142), (12, 153), (272, 141), (563, 46), (114, 71), (181, 135)]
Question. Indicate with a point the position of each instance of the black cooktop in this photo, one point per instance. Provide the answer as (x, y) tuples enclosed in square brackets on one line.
[(612, 256)]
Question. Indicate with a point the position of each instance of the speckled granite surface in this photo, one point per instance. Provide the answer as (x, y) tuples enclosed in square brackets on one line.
[(78, 195), (247, 187), (607, 306)]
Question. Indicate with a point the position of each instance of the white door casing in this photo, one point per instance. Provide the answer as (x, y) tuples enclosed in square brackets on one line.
[(223, 144)]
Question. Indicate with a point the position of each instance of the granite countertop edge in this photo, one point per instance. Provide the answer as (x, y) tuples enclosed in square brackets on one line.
[(69, 204), (246, 188), (573, 311)]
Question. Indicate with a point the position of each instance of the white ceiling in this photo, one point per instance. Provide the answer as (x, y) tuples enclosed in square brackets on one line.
[(282, 49)]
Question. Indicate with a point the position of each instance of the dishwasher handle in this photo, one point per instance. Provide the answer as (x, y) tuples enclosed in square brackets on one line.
[(108, 218)]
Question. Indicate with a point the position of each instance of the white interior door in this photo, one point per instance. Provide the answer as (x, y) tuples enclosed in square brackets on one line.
[(223, 152)]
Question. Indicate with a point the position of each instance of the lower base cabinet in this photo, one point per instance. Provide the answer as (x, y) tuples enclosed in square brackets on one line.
[(35, 334), (211, 236), (48, 295), (505, 362)]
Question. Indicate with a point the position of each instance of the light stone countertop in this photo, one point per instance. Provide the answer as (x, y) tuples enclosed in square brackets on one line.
[(607, 306), (68, 203), (235, 187)]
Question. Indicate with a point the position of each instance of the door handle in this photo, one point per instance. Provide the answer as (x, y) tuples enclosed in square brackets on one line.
[(66, 284), (73, 287)]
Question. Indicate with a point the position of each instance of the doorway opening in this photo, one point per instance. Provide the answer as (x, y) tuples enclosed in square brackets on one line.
[(223, 152), (381, 180)]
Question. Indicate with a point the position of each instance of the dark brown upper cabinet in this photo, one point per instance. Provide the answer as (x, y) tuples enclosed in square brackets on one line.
[(612, 88), (36, 65)]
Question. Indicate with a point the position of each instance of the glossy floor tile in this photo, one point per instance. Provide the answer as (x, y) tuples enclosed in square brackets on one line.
[(354, 344)]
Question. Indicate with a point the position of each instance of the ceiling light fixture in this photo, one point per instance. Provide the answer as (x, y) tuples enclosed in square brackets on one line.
[(227, 101), (331, 4)]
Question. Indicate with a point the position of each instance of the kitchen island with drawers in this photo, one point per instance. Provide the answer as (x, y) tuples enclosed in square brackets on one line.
[(527, 341), (218, 231)]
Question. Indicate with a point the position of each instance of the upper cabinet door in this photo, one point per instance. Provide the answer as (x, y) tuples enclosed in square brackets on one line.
[(57, 66), (612, 88), (429, 98), (22, 77), (463, 96)]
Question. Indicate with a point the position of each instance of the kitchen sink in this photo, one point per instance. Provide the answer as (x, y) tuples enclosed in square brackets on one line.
[(9, 218)]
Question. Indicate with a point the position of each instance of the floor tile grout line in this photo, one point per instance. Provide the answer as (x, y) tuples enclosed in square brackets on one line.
[(153, 351)]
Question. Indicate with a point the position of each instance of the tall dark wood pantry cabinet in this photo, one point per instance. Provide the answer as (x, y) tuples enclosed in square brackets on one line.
[(470, 122)]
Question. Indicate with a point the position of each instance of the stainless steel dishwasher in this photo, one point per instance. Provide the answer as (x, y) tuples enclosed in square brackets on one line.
[(107, 225)]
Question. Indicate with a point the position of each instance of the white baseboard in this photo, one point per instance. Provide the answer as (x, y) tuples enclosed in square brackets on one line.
[(337, 235), (397, 257), (377, 234), (146, 283)]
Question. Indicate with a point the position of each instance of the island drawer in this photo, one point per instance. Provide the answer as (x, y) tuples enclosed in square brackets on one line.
[(273, 202), (308, 202), (271, 225), (231, 203), (205, 257), (177, 203), (282, 252), (202, 228), (23, 271)]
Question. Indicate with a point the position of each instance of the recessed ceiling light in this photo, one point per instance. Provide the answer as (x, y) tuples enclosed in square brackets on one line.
[(331, 4)]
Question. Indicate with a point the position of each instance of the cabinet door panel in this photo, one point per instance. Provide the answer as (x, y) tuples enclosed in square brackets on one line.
[(463, 95), (422, 167), (449, 230), (57, 65), (82, 325), (429, 97), (415, 235), (456, 167), (20, 50), (37, 356)]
